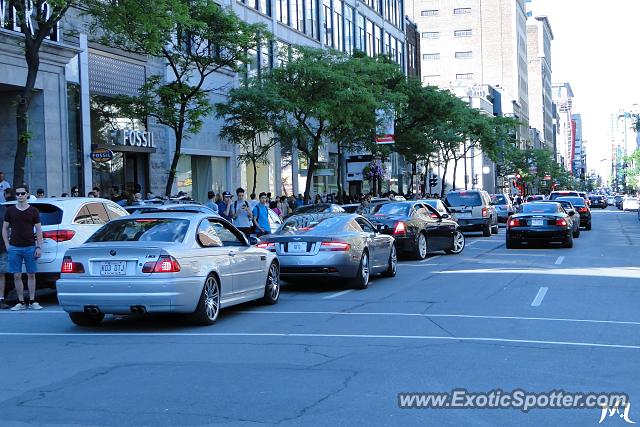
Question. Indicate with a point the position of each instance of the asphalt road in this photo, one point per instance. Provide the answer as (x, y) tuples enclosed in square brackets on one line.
[(538, 319)]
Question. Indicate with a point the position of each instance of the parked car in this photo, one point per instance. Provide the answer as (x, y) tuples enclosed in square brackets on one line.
[(325, 245), (534, 198), (439, 206), (539, 222), (167, 262), (473, 211), (618, 201), (67, 222), (562, 193), (504, 207), (569, 208), (611, 200), (598, 201), (630, 203), (418, 228), (582, 208)]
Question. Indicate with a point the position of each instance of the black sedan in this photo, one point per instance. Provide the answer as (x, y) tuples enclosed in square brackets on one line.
[(418, 228), (598, 201), (540, 222), (582, 208), (568, 208)]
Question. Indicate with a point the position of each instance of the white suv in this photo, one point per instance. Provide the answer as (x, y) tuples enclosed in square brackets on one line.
[(68, 222)]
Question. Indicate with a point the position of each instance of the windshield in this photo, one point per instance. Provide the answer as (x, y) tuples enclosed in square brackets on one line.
[(463, 199), (313, 208), (392, 209), (143, 230), (539, 208), (302, 223), (499, 199)]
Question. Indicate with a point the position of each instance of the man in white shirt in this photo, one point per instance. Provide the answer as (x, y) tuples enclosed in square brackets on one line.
[(240, 211), (3, 186)]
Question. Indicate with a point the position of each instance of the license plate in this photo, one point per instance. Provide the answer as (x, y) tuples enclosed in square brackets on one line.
[(463, 215), (537, 222), (297, 247), (113, 268)]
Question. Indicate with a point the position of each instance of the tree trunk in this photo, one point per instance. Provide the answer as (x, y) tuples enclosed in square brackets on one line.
[(444, 178), (455, 170), (310, 169), (32, 56), (255, 175), (414, 167), (339, 174), (174, 164)]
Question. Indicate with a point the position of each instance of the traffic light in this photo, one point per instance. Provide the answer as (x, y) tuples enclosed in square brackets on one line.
[(433, 181)]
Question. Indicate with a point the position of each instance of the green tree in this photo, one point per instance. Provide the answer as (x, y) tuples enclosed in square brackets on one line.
[(248, 114), (325, 96), (196, 38), (36, 19)]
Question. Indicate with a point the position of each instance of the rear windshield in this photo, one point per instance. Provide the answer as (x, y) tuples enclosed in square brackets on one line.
[(143, 230), (463, 199), (575, 201), (302, 223), (313, 208), (554, 196), (392, 209), (499, 199), (49, 214), (539, 208)]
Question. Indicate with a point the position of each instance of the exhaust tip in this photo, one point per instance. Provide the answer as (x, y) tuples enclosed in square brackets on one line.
[(138, 309), (91, 309)]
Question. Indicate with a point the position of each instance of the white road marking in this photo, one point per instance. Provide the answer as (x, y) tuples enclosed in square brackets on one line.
[(299, 335), (464, 316), (337, 294), (538, 299), (627, 272), (419, 265), (432, 258), (559, 260), (471, 243)]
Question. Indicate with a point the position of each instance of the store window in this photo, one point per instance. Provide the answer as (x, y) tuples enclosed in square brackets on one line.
[(197, 175)]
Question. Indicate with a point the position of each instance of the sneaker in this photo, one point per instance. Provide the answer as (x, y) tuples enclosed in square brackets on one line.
[(4, 305), (35, 306), (19, 306)]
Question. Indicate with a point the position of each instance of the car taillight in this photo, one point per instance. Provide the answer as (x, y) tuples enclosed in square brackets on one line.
[(59, 235), (485, 212), (400, 229), (68, 266), (434, 215), (561, 222), (164, 264), (514, 223), (583, 209), (267, 245), (334, 246)]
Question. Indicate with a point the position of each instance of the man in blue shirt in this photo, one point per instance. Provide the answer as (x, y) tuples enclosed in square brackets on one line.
[(261, 216), (224, 205), (211, 204)]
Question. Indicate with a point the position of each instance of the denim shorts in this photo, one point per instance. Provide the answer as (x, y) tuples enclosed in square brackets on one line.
[(18, 255)]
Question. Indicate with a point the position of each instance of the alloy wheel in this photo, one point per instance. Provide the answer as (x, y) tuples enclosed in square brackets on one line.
[(422, 246), (365, 268), (458, 242), (273, 282), (211, 298)]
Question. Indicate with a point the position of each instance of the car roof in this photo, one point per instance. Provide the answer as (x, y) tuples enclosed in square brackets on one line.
[(172, 214), (324, 215), (64, 201)]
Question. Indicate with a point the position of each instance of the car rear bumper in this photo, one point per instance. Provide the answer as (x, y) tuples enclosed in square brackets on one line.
[(472, 224), (324, 264), (117, 296), (529, 234)]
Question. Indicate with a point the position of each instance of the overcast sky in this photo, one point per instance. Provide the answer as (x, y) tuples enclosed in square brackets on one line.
[(595, 51)]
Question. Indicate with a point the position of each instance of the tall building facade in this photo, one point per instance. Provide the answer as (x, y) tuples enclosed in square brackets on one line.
[(539, 38), (579, 152), (563, 98), (624, 141), (476, 42)]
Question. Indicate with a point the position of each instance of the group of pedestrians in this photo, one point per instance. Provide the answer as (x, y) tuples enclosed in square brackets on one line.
[(249, 216)]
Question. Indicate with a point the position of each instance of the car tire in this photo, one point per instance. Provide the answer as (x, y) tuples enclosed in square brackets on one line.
[(361, 281), (86, 319), (511, 244), (458, 243), (495, 229), (421, 247), (588, 227), (568, 243), (392, 267), (576, 233), (208, 307), (272, 287), (486, 230)]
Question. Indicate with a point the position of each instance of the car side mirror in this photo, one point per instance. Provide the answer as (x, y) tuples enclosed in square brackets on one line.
[(253, 240), (445, 216), (571, 213), (381, 228)]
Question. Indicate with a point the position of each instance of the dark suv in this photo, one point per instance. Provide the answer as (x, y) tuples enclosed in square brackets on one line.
[(473, 210)]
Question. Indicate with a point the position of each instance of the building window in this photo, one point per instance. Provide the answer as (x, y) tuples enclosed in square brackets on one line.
[(462, 11), (264, 6), (462, 33), (465, 76), (282, 11), (361, 33), (311, 19), (328, 29), (369, 38), (431, 35), (338, 40), (377, 35), (432, 12), (464, 55), (430, 56), (297, 14), (348, 30)]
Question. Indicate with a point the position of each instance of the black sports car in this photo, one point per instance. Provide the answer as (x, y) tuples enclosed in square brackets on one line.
[(418, 228), (540, 222), (581, 206)]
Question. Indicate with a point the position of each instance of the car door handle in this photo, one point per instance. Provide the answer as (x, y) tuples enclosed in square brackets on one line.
[(232, 253)]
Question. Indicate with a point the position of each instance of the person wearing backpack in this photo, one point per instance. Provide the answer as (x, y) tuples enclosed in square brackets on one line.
[(241, 213), (261, 216)]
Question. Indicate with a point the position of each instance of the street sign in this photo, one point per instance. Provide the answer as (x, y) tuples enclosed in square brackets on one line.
[(101, 155)]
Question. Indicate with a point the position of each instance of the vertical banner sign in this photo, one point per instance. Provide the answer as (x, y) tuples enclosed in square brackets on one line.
[(385, 131)]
